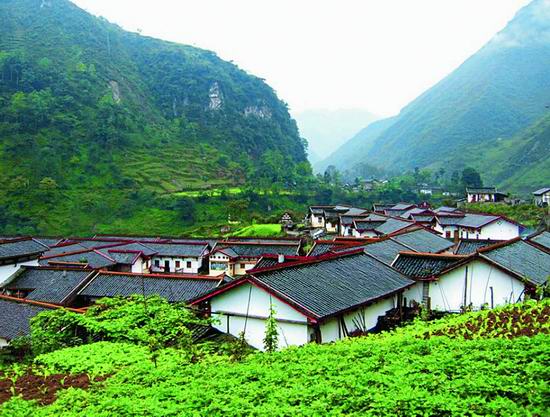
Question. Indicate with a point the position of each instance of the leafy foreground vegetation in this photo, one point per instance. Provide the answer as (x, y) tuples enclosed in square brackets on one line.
[(421, 369)]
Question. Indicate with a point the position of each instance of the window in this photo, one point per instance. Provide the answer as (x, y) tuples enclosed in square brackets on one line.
[(243, 266), (448, 234), (178, 264), (188, 264), (157, 263)]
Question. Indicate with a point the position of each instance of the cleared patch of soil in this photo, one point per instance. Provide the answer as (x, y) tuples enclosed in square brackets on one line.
[(43, 389)]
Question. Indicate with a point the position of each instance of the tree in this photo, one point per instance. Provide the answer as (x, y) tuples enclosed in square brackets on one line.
[(186, 209), (471, 178), (271, 339)]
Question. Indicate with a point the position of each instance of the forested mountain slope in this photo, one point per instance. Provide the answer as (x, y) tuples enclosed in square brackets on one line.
[(495, 95), (91, 114)]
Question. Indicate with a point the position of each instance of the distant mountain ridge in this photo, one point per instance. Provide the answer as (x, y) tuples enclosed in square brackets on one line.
[(325, 130), (491, 99)]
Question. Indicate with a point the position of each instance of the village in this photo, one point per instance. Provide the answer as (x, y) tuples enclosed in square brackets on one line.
[(356, 270)]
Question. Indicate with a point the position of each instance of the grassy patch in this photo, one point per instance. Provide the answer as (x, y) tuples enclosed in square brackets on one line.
[(259, 230)]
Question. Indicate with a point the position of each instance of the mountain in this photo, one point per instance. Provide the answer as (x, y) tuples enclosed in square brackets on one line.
[(481, 113), (326, 130), (92, 115), (351, 154)]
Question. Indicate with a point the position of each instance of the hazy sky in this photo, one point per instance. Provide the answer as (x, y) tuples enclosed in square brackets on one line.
[(370, 54)]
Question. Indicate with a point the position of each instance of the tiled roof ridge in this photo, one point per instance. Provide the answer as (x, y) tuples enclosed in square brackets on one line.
[(329, 256), (55, 268), (167, 276), (227, 243), (38, 303), (432, 255), (499, 245)]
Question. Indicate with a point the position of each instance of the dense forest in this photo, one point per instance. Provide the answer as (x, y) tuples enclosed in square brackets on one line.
[(96, 123)]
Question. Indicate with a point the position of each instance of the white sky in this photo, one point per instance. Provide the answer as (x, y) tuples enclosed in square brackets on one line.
[(371, 54)]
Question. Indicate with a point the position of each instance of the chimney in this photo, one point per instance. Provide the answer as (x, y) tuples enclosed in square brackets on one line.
[(281, 258)]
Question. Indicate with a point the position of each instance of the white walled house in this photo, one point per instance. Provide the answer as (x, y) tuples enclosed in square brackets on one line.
[(484, 195), (542, 197), (179, 258), (314, 300), (235, 258), (15, 253), (477, 226), (496, 275)]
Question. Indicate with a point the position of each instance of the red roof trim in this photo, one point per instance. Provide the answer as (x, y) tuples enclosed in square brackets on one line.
[(38, 303)]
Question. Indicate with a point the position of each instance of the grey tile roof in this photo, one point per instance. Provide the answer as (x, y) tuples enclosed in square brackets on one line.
[(524, 259), (354, 211), (474, 221), (247, 250), (123, 258), (542, 191), (467, 247), (422, 266), (481, 190), (362, 225), (21, 248), (329, 287), (321, 248), (392, 226), (422, 218), (178, 249), (423, 241), (385, 250), (173, 289), (48, 285), (402, 206), (542, 239), (48, 241), (260, 241), (93, 258), (446, 209), (16, 318), (59, 250), (138, 247)]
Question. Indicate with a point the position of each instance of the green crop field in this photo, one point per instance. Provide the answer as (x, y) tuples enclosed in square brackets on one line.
[(485, 363)]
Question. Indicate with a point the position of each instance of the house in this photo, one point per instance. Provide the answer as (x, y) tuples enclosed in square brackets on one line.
[(57, 286), (320, 300), (423, 240), (471, 246), (540, 240), (235, 258), (16, 252), (484, 195), (174, 288), (179, 258), (286, 220), (16, 315), (459, 225), (399, 209), (85, 258), (495, 275), (542, 197), (381, 208), (328, 217), (118, 256)]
